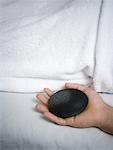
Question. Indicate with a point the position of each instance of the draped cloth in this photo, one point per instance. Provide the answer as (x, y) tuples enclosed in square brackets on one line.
[(47, 43)]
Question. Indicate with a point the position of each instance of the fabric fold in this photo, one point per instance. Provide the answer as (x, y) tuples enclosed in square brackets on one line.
[(103, 72), (47, 43)]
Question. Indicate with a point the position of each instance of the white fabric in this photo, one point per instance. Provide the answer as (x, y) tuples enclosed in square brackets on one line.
[(37, 85), (49, 42), (103, 76), (22, 128)]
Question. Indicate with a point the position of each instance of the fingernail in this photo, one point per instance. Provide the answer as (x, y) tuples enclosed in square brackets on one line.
[(37, 95), (45, 89), (67, 83), (37, 106)]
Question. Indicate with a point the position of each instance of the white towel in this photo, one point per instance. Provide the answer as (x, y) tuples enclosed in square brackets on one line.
[(47, 43), (103, 72)]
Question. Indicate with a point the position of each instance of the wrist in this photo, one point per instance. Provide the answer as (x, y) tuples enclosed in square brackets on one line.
[(101, 115), (105, 118)]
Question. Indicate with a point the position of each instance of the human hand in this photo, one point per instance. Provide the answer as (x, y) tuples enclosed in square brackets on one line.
[(90, 117)]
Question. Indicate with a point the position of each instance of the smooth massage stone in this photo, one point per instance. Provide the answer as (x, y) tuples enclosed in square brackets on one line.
[(67, 103)]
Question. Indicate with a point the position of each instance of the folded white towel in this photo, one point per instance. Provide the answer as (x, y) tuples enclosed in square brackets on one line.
[(47, 43), (103, 73)]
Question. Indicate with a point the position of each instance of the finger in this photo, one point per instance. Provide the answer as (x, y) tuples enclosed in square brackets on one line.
[(80, 87), (48, 91), (41, 108), (54, 118), (42, 98)]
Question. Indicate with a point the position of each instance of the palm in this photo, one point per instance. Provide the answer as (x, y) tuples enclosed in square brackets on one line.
[(84, 119)]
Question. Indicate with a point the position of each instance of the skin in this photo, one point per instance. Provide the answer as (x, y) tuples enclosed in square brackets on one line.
[(97, 114)]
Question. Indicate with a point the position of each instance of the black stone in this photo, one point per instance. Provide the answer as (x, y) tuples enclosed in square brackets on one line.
[(67, 103)]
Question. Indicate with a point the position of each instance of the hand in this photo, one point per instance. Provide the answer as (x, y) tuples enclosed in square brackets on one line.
[(90, 117)]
